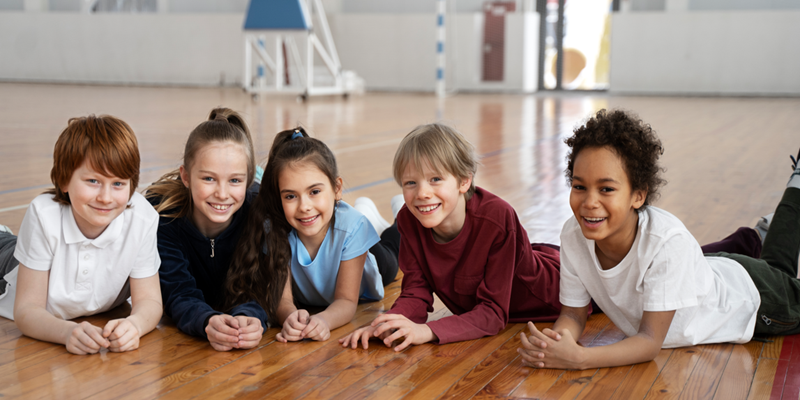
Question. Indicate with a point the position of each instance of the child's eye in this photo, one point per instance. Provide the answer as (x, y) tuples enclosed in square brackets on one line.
[(289, 197), (606, 190), (578, 187), (208, 179), (409, 183), (236, 180), (436, 179), (92, 181), (315, 191), (119, 184)]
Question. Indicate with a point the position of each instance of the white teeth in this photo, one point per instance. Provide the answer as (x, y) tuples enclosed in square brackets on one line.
[(308, 219), (593, 219), (428, 208), (221, 207)]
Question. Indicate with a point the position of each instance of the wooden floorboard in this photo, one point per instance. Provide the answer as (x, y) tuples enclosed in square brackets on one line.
[(726, 163)]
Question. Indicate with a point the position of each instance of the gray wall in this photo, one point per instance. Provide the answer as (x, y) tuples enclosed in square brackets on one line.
[(706, 52)]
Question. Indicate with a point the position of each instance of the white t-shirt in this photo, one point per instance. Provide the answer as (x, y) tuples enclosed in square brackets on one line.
[(714, 298), (87, 276)]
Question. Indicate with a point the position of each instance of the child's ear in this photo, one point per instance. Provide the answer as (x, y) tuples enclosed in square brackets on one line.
[(338, 189), (465, 184), (639, 196), (184, 176)]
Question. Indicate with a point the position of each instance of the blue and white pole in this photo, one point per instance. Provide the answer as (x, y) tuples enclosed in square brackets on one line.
[(441, 35)]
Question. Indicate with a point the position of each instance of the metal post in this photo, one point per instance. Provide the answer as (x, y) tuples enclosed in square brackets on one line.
[(441, 57)]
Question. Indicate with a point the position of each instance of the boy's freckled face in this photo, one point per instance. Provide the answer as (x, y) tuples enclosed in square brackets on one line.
[(96, 199), (436, 200), (217, 180), (601, 198)]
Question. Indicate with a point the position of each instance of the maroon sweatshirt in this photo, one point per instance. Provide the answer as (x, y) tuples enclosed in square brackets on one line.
[(488, 276)]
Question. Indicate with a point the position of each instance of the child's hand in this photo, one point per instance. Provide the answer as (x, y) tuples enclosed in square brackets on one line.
[(250, 331), (223, 332), (399, 326), (85, 338), (293, 326), (317, 329), (122, 334), (363, 334), (550, 349)]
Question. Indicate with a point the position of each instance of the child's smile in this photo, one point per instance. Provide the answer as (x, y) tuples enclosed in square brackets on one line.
[(217, 180), (96, 199), (308, 202), (603, 202), (436, 200)]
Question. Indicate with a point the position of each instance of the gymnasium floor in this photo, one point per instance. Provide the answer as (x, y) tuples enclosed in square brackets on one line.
[(727, 164)]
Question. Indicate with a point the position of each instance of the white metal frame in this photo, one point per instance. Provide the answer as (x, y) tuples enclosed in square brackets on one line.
[(255, 53)]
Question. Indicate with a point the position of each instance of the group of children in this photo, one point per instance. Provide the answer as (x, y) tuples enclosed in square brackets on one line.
[(225, 256)]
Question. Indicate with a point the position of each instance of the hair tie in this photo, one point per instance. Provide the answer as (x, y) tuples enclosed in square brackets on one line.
[(297, 134)]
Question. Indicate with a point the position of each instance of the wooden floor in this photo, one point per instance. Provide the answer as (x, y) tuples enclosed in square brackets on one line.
[(726, 161)]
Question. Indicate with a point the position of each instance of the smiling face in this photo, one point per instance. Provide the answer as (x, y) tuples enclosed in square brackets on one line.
[(217, 180), (96, 199), (436, 200), (603, 202), (308, 201)]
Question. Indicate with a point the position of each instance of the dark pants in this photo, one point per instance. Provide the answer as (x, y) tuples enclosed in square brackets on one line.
[(386, 252), (775, 273), (7, 261)]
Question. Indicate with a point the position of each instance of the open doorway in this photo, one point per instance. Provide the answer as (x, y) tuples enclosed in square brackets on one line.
[(574, 38)]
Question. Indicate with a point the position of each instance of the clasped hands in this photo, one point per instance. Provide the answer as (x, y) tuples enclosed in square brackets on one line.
[(118, 335), (300, 325), (550, 349)]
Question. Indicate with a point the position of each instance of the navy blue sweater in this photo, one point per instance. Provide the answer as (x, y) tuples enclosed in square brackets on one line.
[(192, 280)]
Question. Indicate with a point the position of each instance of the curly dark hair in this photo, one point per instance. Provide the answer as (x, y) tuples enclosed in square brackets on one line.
[(633, 140)]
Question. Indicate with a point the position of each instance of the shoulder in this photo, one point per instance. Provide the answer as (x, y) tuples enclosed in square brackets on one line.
[(44, 203), (141, 208), (659, 225), (349, 219), (487, 207)]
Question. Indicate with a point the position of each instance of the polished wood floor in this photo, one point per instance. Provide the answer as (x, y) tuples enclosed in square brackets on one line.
[(726, 160)]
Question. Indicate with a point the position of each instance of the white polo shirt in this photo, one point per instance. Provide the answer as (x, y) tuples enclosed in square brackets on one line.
[(87, 276)]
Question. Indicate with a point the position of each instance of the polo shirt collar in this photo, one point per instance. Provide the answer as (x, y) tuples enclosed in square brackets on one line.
[(73, 234)]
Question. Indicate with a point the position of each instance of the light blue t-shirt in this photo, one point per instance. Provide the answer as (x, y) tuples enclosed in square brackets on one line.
[(314, 282)]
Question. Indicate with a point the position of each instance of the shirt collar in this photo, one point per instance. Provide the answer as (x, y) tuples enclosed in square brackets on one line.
[(73, 234)]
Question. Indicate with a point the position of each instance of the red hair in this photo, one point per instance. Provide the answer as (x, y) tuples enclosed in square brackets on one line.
[(106, 142)]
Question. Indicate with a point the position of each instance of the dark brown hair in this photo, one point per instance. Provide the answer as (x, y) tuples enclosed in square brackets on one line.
[(259, 272), (223, 125), (107, 142), (631, 139)]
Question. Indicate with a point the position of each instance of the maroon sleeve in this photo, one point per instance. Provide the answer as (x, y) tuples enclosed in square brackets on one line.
[(416, 296), (490, 314)]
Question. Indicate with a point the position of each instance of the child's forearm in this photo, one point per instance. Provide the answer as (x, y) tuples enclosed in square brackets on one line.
[(39, 324), (340, 312), (285, 308), (145, 315), (632, 350)]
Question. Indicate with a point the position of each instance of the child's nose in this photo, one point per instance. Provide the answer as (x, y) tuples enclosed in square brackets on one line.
[(105, 195), (222, 191), (591, 201)]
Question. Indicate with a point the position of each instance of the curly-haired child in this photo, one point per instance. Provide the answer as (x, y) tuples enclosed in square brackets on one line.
[(643, 267)]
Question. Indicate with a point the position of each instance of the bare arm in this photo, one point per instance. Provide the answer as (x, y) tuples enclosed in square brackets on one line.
[(33, 319), (124, 334), (286, 306), (542, 351), (343, 308)]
